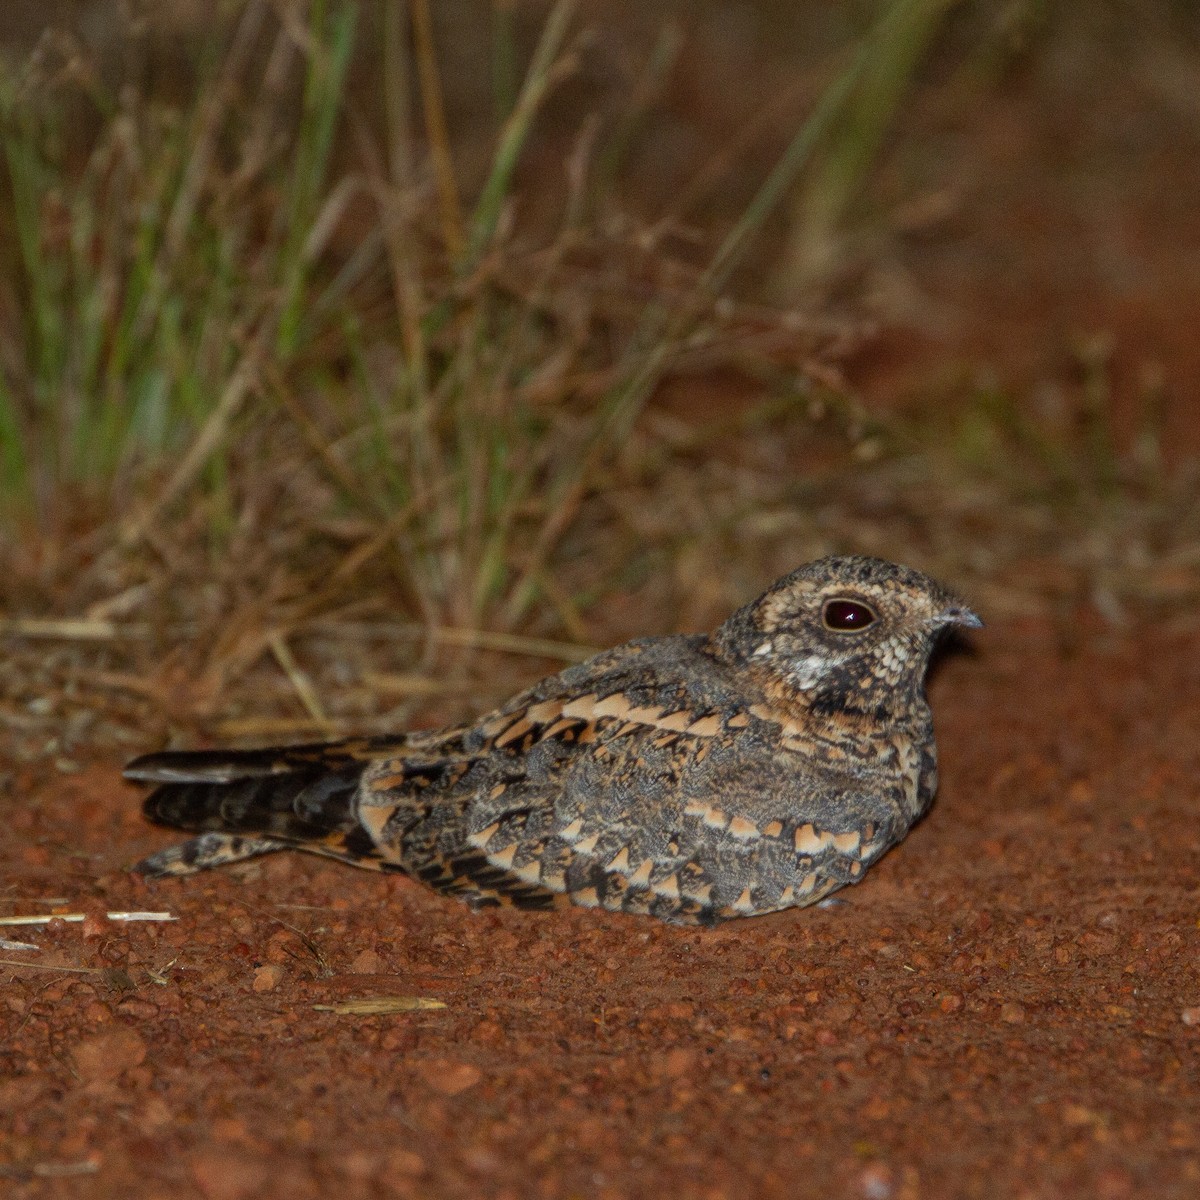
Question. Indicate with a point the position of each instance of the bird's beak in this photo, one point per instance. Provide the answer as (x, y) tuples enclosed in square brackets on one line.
[(959, 614)]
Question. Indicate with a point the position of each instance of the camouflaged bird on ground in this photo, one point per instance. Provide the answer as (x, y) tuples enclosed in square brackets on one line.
[(693, 778)]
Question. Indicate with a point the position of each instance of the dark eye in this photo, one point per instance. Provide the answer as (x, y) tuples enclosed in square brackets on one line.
[(847, 616)]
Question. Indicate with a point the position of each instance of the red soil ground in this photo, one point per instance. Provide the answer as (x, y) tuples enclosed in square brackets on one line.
[(1008, 1005)]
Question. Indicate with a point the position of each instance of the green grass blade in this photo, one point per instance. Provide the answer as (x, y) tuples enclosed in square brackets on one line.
[(540, 78), (877, 56), (333, 41)]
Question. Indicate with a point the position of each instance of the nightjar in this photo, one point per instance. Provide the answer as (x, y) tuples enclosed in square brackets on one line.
[(692, 778)]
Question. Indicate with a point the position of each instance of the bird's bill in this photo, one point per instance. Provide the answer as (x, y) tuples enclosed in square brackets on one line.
[(961, 615)]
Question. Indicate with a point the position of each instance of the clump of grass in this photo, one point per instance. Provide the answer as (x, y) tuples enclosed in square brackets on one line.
[(522, 361), (864, 107), (258, 330), (145, 276)]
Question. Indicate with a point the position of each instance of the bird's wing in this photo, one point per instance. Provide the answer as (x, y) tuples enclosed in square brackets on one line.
[(641, 781), (490, 811)]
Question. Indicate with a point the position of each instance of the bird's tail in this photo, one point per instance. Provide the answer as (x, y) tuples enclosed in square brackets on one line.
[(248, 802)]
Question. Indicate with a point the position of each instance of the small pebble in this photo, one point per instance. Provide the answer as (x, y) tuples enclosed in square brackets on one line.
[(107, 1056), (267, 978), (448, 1077), (875, 1182)]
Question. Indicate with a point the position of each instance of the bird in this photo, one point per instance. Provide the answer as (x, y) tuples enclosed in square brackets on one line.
[(692, 778)]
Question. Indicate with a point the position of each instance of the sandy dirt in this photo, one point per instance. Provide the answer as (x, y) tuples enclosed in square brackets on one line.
[(1008, 1005)]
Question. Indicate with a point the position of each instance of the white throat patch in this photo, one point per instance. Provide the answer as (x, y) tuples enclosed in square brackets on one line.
[(809, 671)]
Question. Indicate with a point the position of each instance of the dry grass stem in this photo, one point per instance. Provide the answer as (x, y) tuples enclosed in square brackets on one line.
[(435, 127), (45, 919), (299, 680), (16, 962), (414, 685), (377, 1006), (67, 629), (47, 1170), (324, 970)]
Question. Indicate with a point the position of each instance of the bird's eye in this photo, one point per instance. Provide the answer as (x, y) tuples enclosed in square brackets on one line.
[(847, 616)]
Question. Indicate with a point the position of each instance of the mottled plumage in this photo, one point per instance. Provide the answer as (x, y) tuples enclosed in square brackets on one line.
[(692, 778)]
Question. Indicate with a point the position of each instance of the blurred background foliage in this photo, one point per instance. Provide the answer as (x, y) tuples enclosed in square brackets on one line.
[(340, 342)]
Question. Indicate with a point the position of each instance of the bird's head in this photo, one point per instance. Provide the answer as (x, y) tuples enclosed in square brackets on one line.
[(850, 632)]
